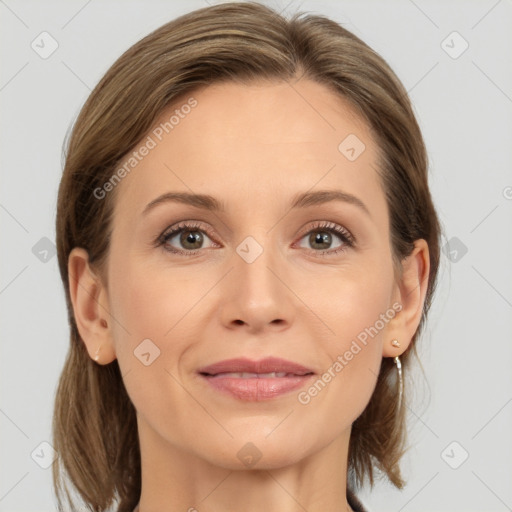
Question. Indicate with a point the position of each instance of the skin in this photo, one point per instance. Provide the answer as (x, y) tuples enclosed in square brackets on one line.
[(253, 147)]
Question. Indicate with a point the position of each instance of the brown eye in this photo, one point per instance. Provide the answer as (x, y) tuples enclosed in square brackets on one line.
[(322, 237), (319, 240), (184, 239), (191, 239)]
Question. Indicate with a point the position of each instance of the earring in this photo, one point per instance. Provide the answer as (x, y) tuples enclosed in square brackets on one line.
[(395, 343), (96, 356), (400, 380)]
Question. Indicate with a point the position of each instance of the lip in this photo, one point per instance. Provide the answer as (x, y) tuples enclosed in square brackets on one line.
[(256, 388), (244, 365)]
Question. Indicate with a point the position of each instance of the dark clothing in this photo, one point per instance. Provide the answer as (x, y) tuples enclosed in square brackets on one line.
[(354, 502), (352, 499)]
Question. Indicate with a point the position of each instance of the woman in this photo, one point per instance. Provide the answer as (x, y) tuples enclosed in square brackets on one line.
[(249, 250)]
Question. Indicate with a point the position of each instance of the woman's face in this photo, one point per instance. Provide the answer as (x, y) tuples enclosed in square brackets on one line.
[(259, 277)]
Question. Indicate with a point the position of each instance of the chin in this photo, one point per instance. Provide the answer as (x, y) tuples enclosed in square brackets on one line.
[(258, 453)]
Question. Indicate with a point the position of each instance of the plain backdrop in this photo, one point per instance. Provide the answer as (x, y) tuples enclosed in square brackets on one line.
[(453, 58)]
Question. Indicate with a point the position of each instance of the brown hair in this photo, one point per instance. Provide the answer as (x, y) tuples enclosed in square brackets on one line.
[(95, 433)]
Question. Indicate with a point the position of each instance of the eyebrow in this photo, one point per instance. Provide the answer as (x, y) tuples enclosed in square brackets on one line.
[(301, 200)]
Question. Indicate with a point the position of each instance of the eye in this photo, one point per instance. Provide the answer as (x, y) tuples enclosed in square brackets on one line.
[(320, 238), (189, 237)]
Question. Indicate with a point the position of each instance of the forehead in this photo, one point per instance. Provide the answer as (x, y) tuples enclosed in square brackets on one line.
[(264, 140)]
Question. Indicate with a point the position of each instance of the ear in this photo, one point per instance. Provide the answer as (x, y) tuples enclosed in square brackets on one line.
[(410, 293), (90, 307)]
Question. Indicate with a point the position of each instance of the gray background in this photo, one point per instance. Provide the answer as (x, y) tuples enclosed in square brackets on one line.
[(464, 107)]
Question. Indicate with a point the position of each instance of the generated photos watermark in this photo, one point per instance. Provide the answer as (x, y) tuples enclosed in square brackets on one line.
[(305, 397), (143, 150)]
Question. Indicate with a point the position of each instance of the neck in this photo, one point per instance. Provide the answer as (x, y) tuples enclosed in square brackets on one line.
[(172, 474)]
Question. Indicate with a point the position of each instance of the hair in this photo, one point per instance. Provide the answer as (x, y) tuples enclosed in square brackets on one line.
[(94, 432)]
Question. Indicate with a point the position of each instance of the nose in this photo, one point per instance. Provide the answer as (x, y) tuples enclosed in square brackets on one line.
[(256, 296)]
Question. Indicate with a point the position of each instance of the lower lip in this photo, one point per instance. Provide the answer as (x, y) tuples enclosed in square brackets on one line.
[(254, 389)]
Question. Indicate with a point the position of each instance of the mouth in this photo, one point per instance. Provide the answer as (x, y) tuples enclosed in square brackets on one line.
[(249, 380), (269, 367), (247, 375)]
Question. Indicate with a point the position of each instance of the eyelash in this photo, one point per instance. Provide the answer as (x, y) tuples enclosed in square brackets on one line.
[(347, 238)]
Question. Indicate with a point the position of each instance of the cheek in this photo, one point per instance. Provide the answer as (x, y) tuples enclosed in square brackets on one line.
[(150, 302), (358, 311), (160, 305), (149, 334), (354, 300)]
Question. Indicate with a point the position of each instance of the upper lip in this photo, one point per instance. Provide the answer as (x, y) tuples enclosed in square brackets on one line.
[(244, 365)]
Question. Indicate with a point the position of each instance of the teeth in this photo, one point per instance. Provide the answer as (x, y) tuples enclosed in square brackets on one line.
[(246, 375)]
